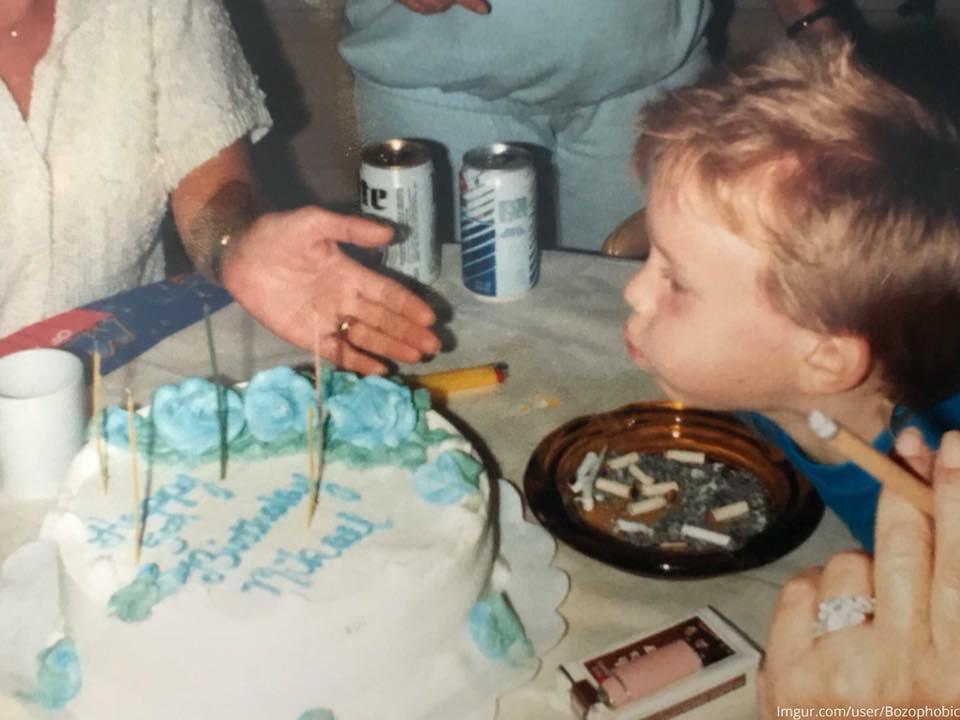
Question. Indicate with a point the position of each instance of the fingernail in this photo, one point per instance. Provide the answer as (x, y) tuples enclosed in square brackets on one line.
[(910, 442), (950, 450)]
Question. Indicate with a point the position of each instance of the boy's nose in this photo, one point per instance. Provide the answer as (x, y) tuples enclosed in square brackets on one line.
[(639, 294)]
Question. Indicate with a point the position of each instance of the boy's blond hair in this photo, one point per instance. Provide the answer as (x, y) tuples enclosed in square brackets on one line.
[(852, 185)]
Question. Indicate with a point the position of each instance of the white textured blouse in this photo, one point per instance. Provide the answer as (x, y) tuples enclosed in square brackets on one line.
[(130, 97)]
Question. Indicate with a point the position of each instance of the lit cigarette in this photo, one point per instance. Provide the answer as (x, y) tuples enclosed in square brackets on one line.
[(693, 457), (729, 512), (640, 476), (618, 463), (612, 487), (632, 526), (709, 536), (888, 473), (641, 507), (664, 488), (441, 384)]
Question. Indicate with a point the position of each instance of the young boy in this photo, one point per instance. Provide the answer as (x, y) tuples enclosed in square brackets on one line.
[(804, 218)]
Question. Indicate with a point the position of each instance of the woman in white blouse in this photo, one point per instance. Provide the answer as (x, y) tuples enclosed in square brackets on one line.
[(109, 110)]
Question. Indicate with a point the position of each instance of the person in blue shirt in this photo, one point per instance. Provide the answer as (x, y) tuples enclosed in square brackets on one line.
[(804, 220), (567, 76)]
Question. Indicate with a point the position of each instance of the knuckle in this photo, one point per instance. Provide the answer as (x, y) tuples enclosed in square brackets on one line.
[(900, 541), (799, 590), (847, 562)]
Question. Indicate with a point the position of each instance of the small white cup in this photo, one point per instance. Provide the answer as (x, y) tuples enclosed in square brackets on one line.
[(43, 412)]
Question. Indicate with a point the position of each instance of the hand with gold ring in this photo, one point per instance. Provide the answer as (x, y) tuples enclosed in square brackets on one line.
[(884, 630), (288, 271)]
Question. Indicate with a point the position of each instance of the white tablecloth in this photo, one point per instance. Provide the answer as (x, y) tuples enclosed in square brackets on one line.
[(562, 343)]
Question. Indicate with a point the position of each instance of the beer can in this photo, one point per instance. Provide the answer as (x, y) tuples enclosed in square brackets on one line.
[(396, 183), (498, 204)]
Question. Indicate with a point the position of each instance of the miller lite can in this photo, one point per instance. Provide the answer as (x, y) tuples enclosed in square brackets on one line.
[(498, 205), (396, 183)]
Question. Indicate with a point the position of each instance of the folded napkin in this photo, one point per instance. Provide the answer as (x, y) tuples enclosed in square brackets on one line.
[(124, 325)]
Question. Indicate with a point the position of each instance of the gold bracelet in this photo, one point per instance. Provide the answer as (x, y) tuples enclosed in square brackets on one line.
[(218, 228)]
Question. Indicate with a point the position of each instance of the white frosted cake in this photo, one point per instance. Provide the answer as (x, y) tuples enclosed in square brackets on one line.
[(236, 609)]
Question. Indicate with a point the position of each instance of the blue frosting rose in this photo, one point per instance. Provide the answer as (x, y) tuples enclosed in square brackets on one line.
[(497, 632), (317, 714), (186, 416), (58, 675), (275, 403), (452, 476), (374, 412), (114, 426), (135, 602)]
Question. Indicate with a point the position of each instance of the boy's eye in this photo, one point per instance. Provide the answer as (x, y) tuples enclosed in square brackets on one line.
[(672, 282)]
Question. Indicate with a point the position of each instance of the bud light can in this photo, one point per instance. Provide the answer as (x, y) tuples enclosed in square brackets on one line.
[(498, 204), (396, 183)]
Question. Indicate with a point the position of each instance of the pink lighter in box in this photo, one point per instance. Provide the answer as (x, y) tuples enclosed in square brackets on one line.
[(661, 674)]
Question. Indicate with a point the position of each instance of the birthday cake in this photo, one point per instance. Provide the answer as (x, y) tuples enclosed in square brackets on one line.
[(258, 584)]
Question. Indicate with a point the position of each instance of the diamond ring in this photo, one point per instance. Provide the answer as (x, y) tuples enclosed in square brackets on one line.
[(836, 613)]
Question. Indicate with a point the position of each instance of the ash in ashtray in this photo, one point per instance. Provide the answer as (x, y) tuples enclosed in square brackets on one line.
[(679, 500)]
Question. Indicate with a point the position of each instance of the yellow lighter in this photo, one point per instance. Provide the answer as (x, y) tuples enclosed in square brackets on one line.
[(443, 383)]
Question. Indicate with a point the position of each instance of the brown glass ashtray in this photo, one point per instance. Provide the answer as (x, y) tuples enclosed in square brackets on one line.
[(793, 509)]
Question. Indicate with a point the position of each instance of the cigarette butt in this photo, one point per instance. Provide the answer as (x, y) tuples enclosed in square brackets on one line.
[(728, 512), (441, 384), (640, 476), (632, 526), (586, 502), (693, 457), (641, 507), (709, 536), (664, 488), (612, 487), (618, 463)]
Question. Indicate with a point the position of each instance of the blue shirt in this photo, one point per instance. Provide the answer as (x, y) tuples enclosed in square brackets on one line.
[(545, 54), (846, 489)]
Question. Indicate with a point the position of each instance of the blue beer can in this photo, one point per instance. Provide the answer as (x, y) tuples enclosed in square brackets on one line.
[(498, 229)]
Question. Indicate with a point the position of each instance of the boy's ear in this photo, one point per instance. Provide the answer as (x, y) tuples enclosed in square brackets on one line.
[(835, 363)]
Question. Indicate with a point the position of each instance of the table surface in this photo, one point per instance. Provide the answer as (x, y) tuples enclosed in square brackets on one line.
[(566, 357)]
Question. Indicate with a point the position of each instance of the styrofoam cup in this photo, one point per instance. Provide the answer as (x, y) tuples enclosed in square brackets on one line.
[(43, 413)]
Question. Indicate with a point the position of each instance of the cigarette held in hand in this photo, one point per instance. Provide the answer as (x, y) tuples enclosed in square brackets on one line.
[(858, 451)]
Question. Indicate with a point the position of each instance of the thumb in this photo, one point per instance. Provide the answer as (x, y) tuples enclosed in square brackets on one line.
[(481, 7), (320, 224)]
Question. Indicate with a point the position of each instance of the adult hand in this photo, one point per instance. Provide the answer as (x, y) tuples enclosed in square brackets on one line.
[(906, 655), (431, 7), (288, 272)]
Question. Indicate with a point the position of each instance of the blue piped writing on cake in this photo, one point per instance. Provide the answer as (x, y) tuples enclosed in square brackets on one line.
[(298, 567), (166, 514), (170, 511)]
